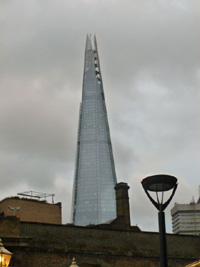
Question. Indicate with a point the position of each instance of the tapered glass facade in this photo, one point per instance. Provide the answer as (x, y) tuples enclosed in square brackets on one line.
[(93, 193)]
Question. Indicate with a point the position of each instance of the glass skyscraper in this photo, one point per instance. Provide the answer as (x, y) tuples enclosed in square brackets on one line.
[(95, 178)]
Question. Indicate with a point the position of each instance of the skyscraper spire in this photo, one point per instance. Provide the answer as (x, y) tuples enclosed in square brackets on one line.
[(95, 178), (88, 45)]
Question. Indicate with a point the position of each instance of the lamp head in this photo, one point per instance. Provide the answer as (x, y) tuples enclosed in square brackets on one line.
[(159, 182)]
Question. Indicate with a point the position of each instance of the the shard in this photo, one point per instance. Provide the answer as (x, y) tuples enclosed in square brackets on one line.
[(95, 178)]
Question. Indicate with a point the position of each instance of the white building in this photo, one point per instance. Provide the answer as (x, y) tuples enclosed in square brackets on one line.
[(186, 218)]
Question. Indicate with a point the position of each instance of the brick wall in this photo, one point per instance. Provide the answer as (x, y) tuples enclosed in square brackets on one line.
[(32, 210), (9, 227), (55, 245)]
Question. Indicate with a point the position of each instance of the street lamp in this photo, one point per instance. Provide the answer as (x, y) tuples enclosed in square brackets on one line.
[(161, 183), (5, 255), (73, 263)]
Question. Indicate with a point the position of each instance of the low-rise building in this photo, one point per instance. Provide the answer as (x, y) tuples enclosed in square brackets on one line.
[(31, 210)]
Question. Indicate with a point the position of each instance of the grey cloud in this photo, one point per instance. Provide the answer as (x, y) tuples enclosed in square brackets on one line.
[(149, 53)]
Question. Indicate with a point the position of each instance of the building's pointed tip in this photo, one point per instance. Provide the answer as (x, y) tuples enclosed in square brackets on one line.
[(95, 40), (88, 42)]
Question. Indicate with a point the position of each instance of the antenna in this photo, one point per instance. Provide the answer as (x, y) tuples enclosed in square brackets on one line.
[(192, 202), (198, 202)]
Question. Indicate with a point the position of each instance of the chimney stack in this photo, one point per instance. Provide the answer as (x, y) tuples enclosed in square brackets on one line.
[(122, 200)]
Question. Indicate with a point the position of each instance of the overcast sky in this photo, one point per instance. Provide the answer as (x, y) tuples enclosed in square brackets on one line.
[(150, 63)]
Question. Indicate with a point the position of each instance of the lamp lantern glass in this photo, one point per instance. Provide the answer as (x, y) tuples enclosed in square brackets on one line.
[(5, 255)]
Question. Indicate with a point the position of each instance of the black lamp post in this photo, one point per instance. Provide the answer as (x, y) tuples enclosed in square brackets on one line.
[(161, 183)]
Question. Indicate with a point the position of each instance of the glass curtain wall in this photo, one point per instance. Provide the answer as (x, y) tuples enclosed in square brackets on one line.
[(93, 194)]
